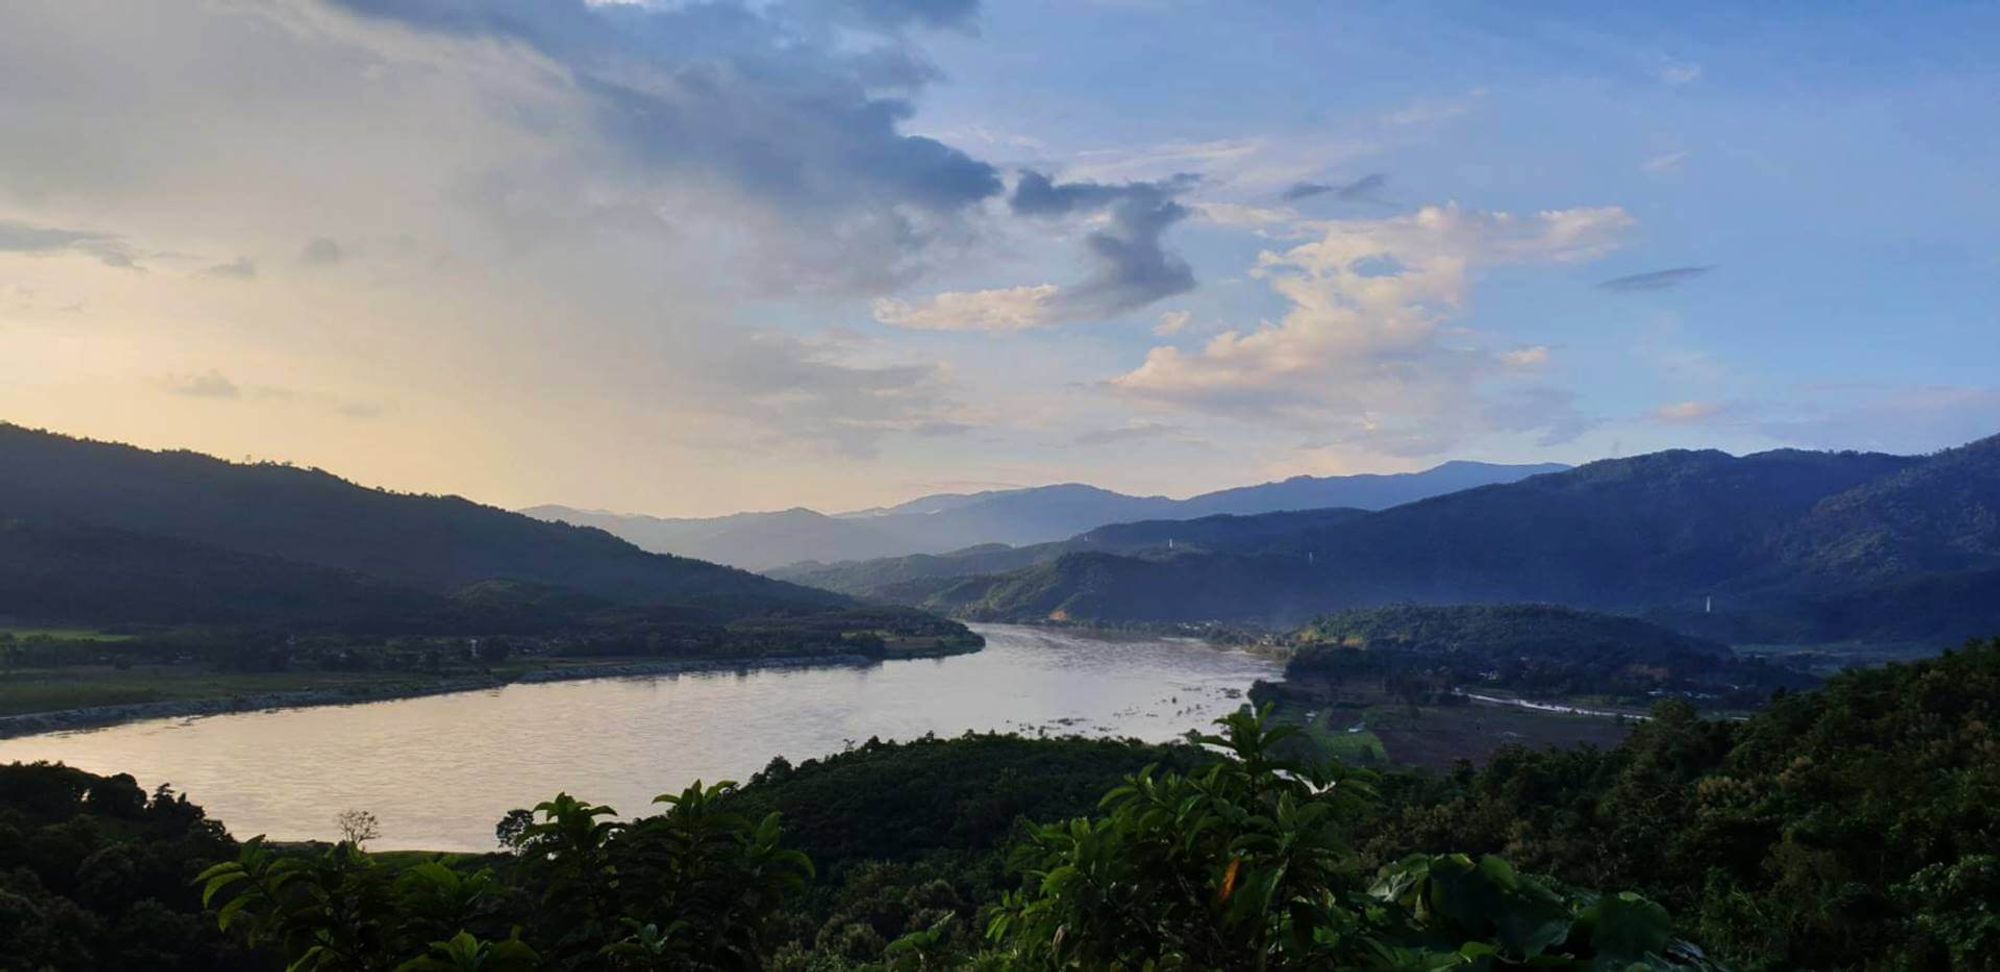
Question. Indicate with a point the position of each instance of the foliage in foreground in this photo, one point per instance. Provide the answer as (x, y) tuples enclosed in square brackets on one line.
[(95, 872), (1247, 863), (1853, 827), (695, 887)]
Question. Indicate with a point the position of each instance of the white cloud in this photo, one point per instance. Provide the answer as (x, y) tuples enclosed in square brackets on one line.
[(1004, 309), (1687, 412), (1172, 323), (1238, 216), (1665, 162), (1365, 352)]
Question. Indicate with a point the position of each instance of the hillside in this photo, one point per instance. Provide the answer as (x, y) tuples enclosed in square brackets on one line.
[(947, 522), (751, 541), (436, 544), (62, 572), (894, 577), (1538, 649), (1779, 537)]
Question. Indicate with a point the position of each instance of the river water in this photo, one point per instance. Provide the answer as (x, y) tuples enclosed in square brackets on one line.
[(439, 771)]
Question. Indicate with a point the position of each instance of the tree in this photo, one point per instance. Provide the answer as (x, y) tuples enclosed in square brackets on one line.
[(357, 827), (1248, 864)]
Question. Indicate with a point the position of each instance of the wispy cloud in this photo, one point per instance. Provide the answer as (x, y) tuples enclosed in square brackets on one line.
[(1653, 279), (1004, 309), (1368, 188), (1172, 323), (1665, 162), (1135, 432), (212, 384), (110, 250), (1688, 412), (321, 251), (241, 268), (1678, 73)]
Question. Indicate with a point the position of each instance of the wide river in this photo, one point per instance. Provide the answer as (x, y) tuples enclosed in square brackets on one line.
[(439, 771)]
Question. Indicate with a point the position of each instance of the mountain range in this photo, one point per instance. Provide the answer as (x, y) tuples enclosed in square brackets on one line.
[(946, 522), (1785, 545), (94, 531)]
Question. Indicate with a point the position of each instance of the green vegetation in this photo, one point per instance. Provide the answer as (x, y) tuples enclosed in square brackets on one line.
[(132, 577), (1792, 546), (1845, 828), (51, 672), (234, 566), (914, 578), (96, 873), (1850, 827), (1425, 654)]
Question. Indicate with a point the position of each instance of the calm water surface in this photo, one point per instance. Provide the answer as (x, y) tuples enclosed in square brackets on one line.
[(439, 771)]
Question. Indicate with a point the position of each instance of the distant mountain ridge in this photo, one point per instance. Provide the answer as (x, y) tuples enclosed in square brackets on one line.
[(1791, 545), (948, 522)]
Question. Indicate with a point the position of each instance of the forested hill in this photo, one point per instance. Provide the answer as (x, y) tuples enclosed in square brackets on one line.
[(939, 524), (435, 544), (1152, 538), (1538, 649), (1793, 532)]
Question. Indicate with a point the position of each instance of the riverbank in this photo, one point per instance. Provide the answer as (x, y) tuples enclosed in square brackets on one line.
[(351, 693)]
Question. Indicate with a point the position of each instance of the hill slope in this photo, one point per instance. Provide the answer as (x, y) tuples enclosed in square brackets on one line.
[(1778, 536), (752, 541), (1220, 533), (1042, 514), (308, 517)]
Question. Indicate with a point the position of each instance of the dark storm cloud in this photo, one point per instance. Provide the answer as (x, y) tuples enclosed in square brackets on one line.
[(775, 98), (1653, 280), (1132, 268)]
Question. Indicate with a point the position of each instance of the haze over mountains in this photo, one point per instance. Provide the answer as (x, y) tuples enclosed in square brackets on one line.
[(953, 521), (1790, 545)]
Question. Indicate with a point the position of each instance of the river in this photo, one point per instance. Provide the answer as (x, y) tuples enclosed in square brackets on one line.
[(439, 771)]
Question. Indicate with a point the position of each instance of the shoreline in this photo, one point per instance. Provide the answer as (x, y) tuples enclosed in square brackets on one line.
[(105, 716)]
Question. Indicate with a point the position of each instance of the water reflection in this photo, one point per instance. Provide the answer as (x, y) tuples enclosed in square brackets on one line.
[(439, 771)]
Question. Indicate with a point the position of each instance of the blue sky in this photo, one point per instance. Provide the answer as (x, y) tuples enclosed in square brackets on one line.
[(693, 258)]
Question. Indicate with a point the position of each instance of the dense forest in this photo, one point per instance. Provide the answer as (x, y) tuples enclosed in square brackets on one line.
[(1845, 828), (1534, 649), (189, 513), (1788, 546), (129, 576)]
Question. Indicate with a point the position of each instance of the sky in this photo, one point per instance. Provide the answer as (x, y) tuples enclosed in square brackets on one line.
[(692, 258)]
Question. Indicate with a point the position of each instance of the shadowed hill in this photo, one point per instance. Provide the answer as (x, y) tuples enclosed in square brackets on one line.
[(1154, 538), (436, 544), (935, 525), (1788, 543)]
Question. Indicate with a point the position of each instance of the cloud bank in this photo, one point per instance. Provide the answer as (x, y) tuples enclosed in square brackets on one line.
[(1367, 352)]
